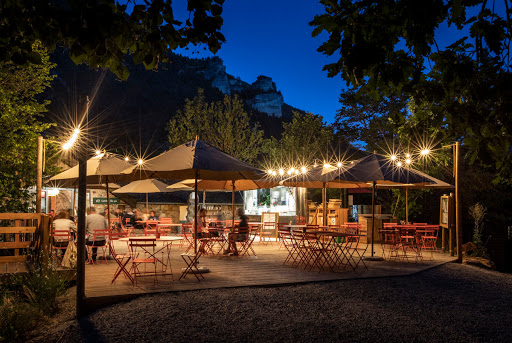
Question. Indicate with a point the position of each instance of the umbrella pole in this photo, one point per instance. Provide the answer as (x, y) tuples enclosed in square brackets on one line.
[(373, 211), (108, 205), (407, 205), (204, 199), (324, 206), (147, 204), (233, 205), (195, 212)]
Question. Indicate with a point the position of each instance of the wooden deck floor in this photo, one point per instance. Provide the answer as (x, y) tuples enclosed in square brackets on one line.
[(228, 271)]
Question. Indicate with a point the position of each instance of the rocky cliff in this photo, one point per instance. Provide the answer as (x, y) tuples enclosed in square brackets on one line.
[(262, 95)]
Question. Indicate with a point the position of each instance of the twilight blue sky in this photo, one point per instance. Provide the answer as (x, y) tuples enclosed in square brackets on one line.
[(273, 38)]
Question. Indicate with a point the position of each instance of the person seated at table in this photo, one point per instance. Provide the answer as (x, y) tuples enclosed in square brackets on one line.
[(63, 223), (153, 216), (240, 234), (95, 221), (136, 218)]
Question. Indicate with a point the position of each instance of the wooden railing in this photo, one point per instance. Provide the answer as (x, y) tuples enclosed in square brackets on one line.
[(23, 234)]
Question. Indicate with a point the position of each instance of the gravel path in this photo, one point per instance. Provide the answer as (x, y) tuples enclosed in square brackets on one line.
[(456, 303)]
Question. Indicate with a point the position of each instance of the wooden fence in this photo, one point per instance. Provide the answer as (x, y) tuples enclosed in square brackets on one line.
[(23, 235)]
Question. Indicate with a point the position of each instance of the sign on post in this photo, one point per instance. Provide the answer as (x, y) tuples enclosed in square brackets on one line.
[(103, 201)]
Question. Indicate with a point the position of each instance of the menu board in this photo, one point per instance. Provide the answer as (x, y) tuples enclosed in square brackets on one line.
[(271, 217), (444, 218)]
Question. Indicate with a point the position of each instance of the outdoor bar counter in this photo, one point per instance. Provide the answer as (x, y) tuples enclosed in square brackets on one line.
[(366, 221)]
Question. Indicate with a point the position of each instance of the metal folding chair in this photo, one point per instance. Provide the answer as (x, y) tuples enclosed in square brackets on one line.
[(142, 251), (191, 262)]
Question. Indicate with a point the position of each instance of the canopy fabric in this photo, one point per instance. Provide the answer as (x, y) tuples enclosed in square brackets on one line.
[(65, 184), (185, 160), (100, 169), (381, 170), (227, 185), (362, 174), (144, 186)]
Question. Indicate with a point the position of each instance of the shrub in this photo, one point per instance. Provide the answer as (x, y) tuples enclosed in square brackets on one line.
[(478, 212), (17, 319), (42, 285)]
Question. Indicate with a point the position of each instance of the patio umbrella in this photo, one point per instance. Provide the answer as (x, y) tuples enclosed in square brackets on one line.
[(438, 184), (321, 177), (198, 160), (232, 185), (375, 170), (101, 169), (144, 186)]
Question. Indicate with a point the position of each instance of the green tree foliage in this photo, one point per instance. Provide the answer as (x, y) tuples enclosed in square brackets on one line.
[(102, 32), (391, 47), (20, 110), (305, 139), (224, 124), (368, 122)]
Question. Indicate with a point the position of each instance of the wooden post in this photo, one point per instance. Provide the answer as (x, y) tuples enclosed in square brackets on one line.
[(46, 223), (458, 226), (39, 173), (80, 243), (373, 210), (80, 230), (195, 211)]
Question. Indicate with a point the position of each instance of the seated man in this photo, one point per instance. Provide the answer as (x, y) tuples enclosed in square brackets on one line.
[(95, 221), (240, 234)]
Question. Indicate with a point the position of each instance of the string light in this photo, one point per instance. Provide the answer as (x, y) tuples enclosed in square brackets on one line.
[(72, 140), (303, 170), (281, 171), (327, 165), (408, 161), (425, 152), (98, 152), (339, 164), (407, 155), (399, 164), (268, 171), (296, 171), (140, 161), (126, 158), (393, 157)]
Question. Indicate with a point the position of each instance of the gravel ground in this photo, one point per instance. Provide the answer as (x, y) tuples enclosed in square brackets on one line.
[(456, 303)]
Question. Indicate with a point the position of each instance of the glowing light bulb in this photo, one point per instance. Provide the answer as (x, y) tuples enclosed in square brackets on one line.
[(281, 171), (289, 172), (269, 171), (408, 161), (339, 164), (126, 158), (327, 165), (140, 161), (296, 171), (274, 173), (292, 169), (399, 164), (425, 152), (393, 157), (76, 132), (407, 155), (98, 152), (303, 170)]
